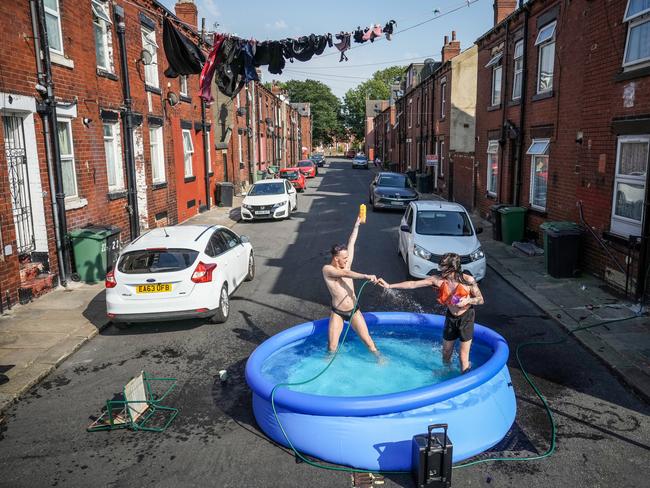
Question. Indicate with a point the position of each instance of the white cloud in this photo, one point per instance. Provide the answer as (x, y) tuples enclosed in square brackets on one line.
[(277, 25)]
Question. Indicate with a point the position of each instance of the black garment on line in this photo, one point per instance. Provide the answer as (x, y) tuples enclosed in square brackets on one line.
[(358, 35), (229, 72), (305, 47), (343, 44), (184, 57), (270, 53)]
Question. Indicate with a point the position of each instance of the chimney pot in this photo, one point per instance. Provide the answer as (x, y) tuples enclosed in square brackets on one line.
[(446, 40), (453, 35)]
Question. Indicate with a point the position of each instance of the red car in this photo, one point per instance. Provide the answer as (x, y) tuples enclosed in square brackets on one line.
[(307, 168), (295, 177)]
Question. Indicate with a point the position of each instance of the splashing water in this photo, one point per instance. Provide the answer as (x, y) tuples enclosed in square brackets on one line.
[(400, 300), (412, 358)]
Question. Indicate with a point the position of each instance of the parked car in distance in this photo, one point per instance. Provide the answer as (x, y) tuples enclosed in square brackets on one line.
[(318, 159), (295, 177), (430, 229), (178, 272), (269, 199), (350, 154), (391, 190), (360, 162), (308, 168)]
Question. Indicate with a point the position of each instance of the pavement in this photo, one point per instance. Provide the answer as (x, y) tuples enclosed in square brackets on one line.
[(37, 337), (618, 334)]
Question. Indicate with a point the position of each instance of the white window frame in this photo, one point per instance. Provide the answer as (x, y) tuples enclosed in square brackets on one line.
[(443, 99), (102, 19), (634, 21), (492, 152), (57, 14), (188, 152), (184, 86), (69, 158), (517, 69), (539, 148), (157, 154), (114, 141), (495, 96), (149, 44), (545, 41), (620, 225)]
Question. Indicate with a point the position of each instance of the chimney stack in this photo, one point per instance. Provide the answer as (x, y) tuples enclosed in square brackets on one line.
[(451, 48), (503, 8), (188, 13)]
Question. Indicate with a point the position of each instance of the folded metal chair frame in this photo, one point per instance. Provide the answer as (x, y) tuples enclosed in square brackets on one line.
[(137, 408)]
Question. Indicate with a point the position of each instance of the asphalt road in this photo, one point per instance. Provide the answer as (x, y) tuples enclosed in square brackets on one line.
[(602, 428)]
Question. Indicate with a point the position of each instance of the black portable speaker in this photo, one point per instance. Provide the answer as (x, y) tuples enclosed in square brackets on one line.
[(431, 458)]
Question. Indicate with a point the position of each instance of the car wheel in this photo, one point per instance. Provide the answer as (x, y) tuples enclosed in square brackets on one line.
[(251, 268), (224, 307)]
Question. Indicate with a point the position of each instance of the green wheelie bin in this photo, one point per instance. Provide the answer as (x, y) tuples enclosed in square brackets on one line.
[(96, 249), (512, 224)]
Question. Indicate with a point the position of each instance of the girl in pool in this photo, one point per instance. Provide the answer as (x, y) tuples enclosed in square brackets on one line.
[(459, 292)]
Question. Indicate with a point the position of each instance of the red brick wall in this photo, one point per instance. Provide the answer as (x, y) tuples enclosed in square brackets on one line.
[(587, 98), (92, 93)]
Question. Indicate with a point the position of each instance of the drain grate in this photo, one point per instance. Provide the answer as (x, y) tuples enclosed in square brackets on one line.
[(366, 480)]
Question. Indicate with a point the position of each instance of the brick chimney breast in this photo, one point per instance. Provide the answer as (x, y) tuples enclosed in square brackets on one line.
[(186, 11), (451, 48), (503, 8)]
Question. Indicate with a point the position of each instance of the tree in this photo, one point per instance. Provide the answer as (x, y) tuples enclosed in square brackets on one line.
[(376, 88), (327, 121)]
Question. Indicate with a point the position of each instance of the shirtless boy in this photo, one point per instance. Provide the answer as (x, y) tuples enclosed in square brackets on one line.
[(338, 277)]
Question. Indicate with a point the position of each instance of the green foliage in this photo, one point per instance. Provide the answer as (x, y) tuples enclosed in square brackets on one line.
[(327, 121), (376, 88)]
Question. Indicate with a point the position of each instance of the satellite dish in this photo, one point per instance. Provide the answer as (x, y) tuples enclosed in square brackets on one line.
[(429, 61), (172, 98), (146, 57)]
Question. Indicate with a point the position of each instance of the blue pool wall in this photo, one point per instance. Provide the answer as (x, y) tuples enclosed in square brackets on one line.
[(375, 432)]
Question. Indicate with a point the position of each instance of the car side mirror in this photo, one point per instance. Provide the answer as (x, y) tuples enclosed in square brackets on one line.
[(405, 228), (244, 194), (244, 239), (479, 230)]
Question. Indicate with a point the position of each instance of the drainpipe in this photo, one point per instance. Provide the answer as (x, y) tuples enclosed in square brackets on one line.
[(52, 149), (127, 118), (522, 114), (254, 126), (644, 252), (248, 136), (504, 97), (206, 139)]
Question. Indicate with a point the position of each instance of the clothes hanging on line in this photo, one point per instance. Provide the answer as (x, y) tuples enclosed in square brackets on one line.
[(230, 67), (372, 32), (248, 54), (358, 35), (184, 57), (207, 74), (388, 29), (343, 44)]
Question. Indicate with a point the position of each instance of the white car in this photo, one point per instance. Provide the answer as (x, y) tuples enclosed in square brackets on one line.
[(178, 272), (430, 229), (269, 199)]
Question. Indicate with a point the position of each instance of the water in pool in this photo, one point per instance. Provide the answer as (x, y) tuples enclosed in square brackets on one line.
[(412, 358)]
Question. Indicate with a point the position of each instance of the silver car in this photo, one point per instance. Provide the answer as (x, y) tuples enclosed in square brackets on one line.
[(391, 190)]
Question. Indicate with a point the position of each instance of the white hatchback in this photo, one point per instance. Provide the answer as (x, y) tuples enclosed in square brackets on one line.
[(269, 199), (178, 272), (430, 229)]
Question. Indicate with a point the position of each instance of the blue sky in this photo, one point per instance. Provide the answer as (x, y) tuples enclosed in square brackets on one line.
[(265, 20)]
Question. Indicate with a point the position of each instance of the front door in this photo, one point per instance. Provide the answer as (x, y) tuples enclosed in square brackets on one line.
[(16, 155)]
